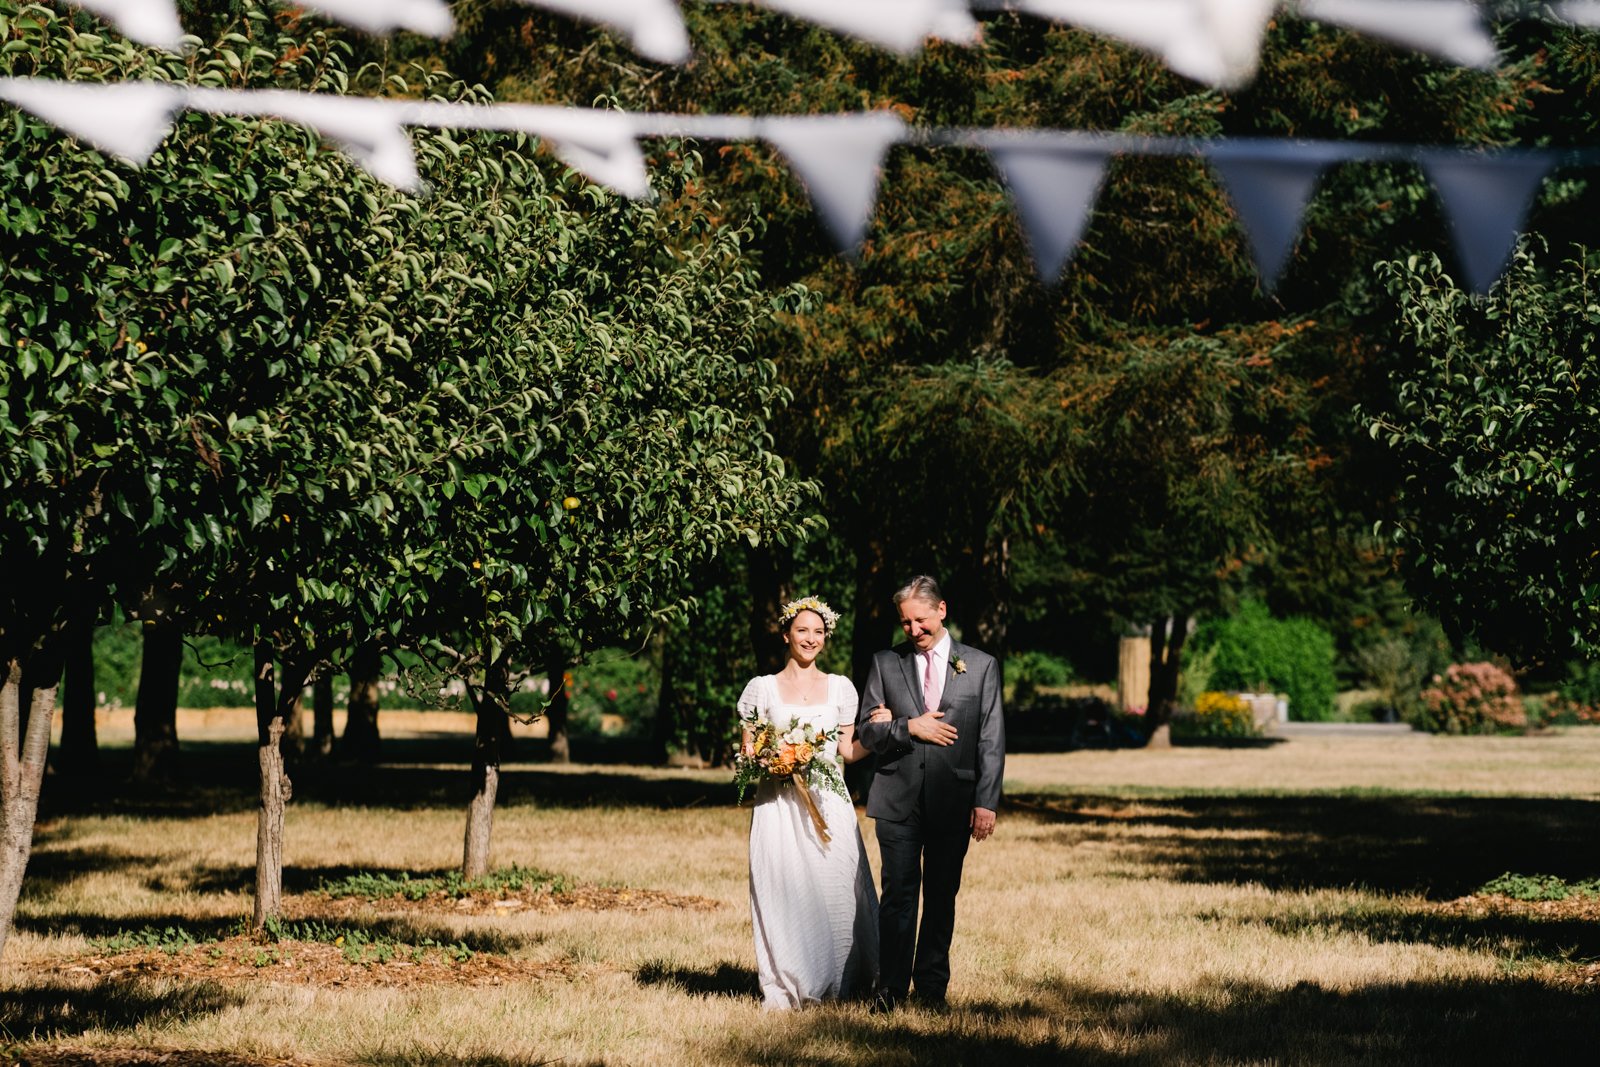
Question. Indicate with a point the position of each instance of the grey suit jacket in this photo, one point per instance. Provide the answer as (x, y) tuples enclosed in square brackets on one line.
[(959, 777)]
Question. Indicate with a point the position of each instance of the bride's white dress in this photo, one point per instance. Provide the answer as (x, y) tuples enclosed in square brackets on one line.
[(813, 906)]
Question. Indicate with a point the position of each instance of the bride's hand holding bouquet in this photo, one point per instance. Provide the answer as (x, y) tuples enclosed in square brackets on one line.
[(794, 756)]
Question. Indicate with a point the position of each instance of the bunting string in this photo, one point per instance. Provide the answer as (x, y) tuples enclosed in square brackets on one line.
[(1053, 176), (1217, 42)]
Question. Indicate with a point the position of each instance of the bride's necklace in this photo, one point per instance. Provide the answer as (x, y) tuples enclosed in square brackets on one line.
[(813, 692)]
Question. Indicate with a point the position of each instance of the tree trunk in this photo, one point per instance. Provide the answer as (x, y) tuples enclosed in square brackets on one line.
[(80, 747), (274, 704), (555, 716), (874, 614), (155, 712), (1133, 673), (665, 731), (321, 716), (293, 745), (360, 741), (23, 751), (489, 748), (992, 619), (1167, 636), (769, 591)]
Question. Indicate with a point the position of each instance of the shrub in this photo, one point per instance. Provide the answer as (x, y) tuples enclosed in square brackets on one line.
[(1398, 663), (1216, 715), (613, 683), (1577, 700), (1562, 710), (1195, 676), (1038, 668), (1258, 653), (1472, 698), (1539, 887), (1033, 670)]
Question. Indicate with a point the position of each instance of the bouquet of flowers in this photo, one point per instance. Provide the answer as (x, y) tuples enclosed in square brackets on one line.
[(794, 756)]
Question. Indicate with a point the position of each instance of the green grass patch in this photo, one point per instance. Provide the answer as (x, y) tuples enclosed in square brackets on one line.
[(169, 939), (357, 945), (370, 885), (1539, 887), (361, 946)]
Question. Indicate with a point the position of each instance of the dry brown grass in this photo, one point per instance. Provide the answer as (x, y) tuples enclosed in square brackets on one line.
[(1280, 904)]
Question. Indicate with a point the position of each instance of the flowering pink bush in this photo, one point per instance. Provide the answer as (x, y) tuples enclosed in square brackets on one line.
[(1473, 698), (1559, 707)]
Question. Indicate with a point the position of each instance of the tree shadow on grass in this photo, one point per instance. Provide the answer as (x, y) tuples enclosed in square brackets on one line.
[(723, 980), (50, 1008), (1504, 936), (1443, 847), (1387, 1023), (221, 778), (1234, 1022), (297, 879), (51, 870), (1228, 742)]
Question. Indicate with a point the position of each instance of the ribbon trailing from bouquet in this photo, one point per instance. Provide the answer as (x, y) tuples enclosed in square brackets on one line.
[(809, 802)]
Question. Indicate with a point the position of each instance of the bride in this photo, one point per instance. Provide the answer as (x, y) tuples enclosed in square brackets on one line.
[(812, 903)]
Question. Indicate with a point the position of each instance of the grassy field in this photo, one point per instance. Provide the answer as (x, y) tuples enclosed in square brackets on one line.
[(1305, 902)]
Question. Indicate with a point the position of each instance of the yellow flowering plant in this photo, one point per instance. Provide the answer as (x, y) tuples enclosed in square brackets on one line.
[(1217, 714)]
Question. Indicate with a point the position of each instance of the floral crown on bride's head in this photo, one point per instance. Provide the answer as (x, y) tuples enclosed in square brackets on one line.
[(830, 618)]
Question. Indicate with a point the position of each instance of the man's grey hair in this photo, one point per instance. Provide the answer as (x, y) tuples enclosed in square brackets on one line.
[(920, 587)]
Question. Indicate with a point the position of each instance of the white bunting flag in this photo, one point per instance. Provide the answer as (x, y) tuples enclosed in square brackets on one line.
[(601, 145), (368, 130), (1233, 31), (431, 17), (1214, 41), (952, 21), (126, 119), (1054, 188), (839, 159), (1450, 29), (1153, 25), (898, 25), (1486, 197), (1579, 12), (151, 22), (1270, 183), (653, 27)]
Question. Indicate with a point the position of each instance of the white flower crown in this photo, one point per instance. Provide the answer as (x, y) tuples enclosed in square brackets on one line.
[(830, 618)]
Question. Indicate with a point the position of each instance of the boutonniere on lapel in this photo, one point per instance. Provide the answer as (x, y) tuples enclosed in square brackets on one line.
[(958, 665)]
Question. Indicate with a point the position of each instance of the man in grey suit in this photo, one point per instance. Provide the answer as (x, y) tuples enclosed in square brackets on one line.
[(941, 754)]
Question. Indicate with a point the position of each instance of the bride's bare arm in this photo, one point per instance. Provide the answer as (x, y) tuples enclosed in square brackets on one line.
[(850, 747)]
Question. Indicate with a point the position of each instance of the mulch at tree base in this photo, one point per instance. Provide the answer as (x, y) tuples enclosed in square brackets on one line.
[(243, 958), (485, 902), (1580, 907), (320, 963)]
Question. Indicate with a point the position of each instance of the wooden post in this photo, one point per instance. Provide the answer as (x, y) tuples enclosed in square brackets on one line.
[(1133, 673)]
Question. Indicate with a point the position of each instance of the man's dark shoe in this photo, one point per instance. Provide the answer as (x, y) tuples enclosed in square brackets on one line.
[(930, 1001), (885, 1004)]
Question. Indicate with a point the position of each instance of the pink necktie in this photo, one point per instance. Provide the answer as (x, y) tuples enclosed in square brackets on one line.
[(931, 684)]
